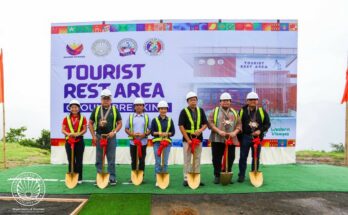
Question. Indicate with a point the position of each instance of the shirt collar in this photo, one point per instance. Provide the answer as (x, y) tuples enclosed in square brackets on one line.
[(160, 118)]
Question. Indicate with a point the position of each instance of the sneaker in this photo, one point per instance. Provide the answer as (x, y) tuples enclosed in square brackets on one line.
[(79, 182), (156, 185), (112, 182), (185, 184), (240, 179), (217, 180)]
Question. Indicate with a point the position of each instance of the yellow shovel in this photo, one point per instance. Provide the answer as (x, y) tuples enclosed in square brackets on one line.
[(137, 175), (71, 178), (226, 177), (256, 177), (103, 177), (193, 179), (163, 177)]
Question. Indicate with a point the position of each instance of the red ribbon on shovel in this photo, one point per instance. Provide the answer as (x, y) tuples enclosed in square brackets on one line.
[(256, 142), (228, 142), (194, 142), (163, 144), (72, 141), (103, 143), (138, 144)]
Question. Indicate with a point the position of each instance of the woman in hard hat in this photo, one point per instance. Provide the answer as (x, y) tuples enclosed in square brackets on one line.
[(138, 128), (74, 127), (162, 128)]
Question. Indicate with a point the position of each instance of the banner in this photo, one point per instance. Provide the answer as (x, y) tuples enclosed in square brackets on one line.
[(164, 61)]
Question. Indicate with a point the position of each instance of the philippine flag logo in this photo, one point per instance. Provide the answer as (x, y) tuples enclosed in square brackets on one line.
[(74, 49)]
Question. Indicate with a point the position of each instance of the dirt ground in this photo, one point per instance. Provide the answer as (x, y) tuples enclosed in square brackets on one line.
[(294, 203), (319, 160), (315, 203)]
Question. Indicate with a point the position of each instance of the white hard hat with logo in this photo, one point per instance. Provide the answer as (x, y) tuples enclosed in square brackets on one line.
[(225, 96), (162, 104), (74, 102), (106, 93), (191, 95), (252, 95), (139, 101)]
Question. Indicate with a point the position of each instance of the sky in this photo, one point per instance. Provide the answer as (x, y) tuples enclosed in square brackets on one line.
[(322, 53)]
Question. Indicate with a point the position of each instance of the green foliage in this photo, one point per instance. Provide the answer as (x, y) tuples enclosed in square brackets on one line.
[(15, 134), (44, 141), (337, 147)]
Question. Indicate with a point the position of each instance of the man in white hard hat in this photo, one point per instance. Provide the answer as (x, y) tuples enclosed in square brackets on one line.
[(224, 124), (162, 128), (74, 127), (105, 120), (255, 123), (192, 123), (138, 128)]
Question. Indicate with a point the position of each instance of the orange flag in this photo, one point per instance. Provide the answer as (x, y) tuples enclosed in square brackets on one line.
[(345, 94), (2, 97)]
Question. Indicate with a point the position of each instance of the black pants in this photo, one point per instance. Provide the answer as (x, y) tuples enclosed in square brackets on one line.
[(133, 152), (245, 146), (79, 148), (218, 150)]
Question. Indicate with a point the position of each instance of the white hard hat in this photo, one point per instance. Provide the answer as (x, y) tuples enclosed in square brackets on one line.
[(225, 96), (74, 102), (106, 93), (162, 104), (191, 95), (252, 95), (139, 101)]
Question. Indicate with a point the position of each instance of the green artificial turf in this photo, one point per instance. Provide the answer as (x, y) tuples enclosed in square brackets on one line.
[(277, 178), (138, 204)]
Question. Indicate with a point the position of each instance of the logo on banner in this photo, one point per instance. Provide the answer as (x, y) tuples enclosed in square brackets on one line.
[(154, 47), (127, 47), (74, 48), (101, 48)]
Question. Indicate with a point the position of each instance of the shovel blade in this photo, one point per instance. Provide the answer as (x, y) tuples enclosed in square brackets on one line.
[(137, 177), (256, 178), (193, 180), (226, 178), (71, 180), (103, 180), (162, 180)]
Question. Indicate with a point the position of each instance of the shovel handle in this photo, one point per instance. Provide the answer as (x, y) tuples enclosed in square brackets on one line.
[(226, 166), (103, 159), (137, 159), (72, 160), (255, 158)]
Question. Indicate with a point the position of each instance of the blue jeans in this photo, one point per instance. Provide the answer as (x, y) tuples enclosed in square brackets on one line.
[(110, 155), (158, 167), (245, 146)]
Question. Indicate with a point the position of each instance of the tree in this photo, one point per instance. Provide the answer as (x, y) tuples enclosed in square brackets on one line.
[(15, 134)]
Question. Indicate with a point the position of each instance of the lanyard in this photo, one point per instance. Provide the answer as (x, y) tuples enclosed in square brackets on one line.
[(106, 115)]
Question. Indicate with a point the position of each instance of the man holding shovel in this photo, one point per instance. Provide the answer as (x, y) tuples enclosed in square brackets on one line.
[(256, 122), (138, 128), (225, 125), (104, 123), (192, 123)]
